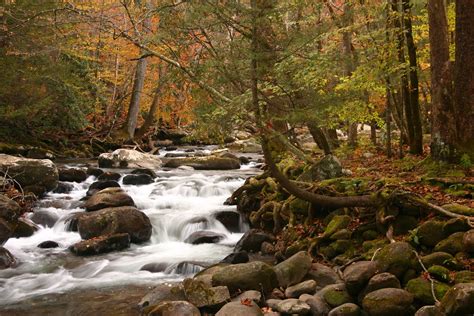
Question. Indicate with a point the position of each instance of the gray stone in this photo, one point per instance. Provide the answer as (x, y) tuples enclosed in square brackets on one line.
[(348, 309), (173, 308), (293, 306), (459, 300), (163, 292), (273, 303), (388, 302), (323, 275), (239, 309), (305, 287), (252, 295), (358, 274), (380, 281), (430, 310), (129, 158), (293, 270), (316, 303), (110, 197), (335, 295)]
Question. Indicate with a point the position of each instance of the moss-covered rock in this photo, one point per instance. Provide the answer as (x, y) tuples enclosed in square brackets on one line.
[(464, 276), (430, 233), (292, 270), (436, 258), (388, 302), (395, 258), (335, 295), (403, 224), (455, 225), (338, 222), (459, 300), (453, 244), (421, 289), (459, 209), (440, 273)]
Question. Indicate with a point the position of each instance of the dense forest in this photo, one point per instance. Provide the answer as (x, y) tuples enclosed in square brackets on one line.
[(304, 156)]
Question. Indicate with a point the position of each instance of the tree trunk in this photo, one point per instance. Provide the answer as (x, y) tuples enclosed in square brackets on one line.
[(134, 107), (388, 120), (412, 112), (352, 135), (464, 77), (332, 137), (320, 138), (443, 130), (373, 132)]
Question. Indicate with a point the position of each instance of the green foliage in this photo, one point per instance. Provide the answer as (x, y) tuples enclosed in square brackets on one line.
[(465, 161)]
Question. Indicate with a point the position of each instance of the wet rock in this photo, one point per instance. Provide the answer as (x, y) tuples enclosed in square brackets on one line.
[(173, 308), (29, 172), (236, 257), (323, 275), (230, 220), (293, 306), (129, 158), (430, 233), (440, 273), (335, 295), (44, 218), (468, 241), (189, 267), (207, 274), (9, 209), (63, 188), (388, 302), (305, 287), (137, 179), (436, 258), (155, 267), (163, 292), (380, 281), (244, 160), (455, 225), (204, 163), (149, 172), (252, 241), (316, 303), (252, 295), (452, 244), (24, 228), (111, 176), (395, 258), (293, 270), (358, 274), (430, 310), (239, 309), (72, 175), (91, 171), (40, 153), (100, 185), (459, 300), (421, 289), (110, 197), (201, 295), (246, 276), (6, 230), (348, 309), (48, 244), (101, 244), (6, 259), (204, 237), (113, 221)]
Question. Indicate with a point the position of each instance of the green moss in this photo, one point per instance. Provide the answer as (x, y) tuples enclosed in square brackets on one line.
[(338, 222), (421, 289), (336, 297), (440, 273), (465, 276), (459, 209)]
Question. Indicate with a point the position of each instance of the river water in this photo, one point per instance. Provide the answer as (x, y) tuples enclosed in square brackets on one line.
[(178, 203)]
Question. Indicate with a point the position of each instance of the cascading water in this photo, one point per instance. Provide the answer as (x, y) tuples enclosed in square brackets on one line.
[(178, 203)]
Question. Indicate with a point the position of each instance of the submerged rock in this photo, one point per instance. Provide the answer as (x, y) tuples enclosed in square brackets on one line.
[(204, 237)]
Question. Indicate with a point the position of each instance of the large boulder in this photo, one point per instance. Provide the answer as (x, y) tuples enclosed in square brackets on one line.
[(323, 275), (31, 172), (395, 258), (459, 300), (115, 220), (239, 309), (252, 241), (293, 270), (9, 214), (388, 302), (101, 244), (246, 276), (173, 308), (72, 175), (129, 158), (204, 163), (110, 197)]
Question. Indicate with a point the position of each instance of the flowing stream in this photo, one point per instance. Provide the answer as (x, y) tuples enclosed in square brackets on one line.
[(178, 203)]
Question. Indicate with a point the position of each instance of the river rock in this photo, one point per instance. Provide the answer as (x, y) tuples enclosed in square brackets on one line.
[(293, 306), (100, 185), (101, 244), (430, 310), (9, 209), (452, 244), (459, 300), (239, 309), (115, 176), (6, 230), (358, 274), (395, 258), (162, 293), (44, 218), (348, 309), (201, 295), (380, 281), (236, 257), (204, 237), (323, 275), (251, 295), (388, 302), (230, 220), (316, 303), (24, 228), (63, 188), (204, 163), (155, 267), (455, 225), (305, 287), (129, 158), (468, 241), (40, 153), (110, 197), (252, 241), (246, 276), (72, 175), (173, 308), (137, 179), (149, 172), (91, 171), (436, 258), (31, 172), (293, 270), (115, 220), (430, 233), (246, 146), (48, 244), (335, 294), (421, 289), (6, 259), (207, 274)]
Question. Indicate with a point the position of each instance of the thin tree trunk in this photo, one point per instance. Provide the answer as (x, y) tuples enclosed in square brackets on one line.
[(352, 135), (388, 120), (373, 132), (110, 108), (332, 137), (319, 137), (134, 107)]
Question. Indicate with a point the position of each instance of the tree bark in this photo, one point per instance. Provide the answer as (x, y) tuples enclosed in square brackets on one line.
[(319, 137), (352, 135), (134, 107), (464, 77)]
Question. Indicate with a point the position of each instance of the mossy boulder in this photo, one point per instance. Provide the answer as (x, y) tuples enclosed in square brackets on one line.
[(395, 258), (468, 241), (430, 233), (335, 295), (201, 295), (455, 225), (293, 270), (338, 222), (421, 289), (459, 209), (453, 244), (464, 276), (388, 302), (440, 273), (436, 258), (459, 300)]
